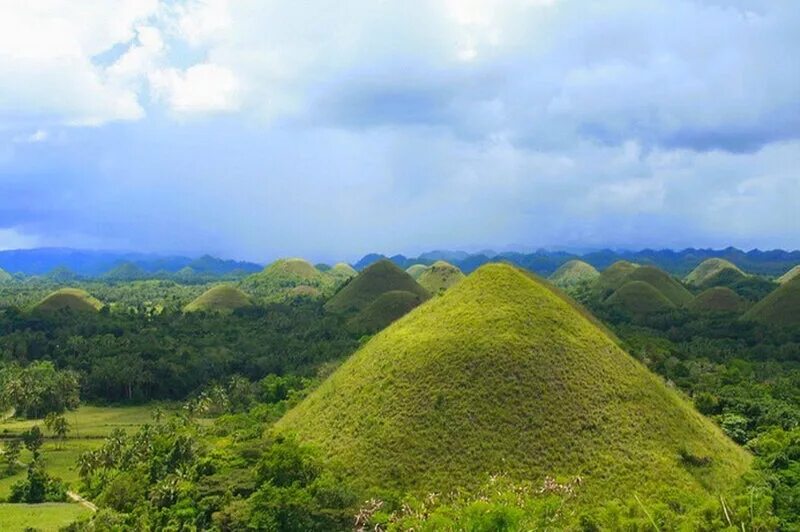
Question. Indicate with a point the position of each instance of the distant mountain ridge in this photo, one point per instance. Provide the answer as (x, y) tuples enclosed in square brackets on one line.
[(544, 262)]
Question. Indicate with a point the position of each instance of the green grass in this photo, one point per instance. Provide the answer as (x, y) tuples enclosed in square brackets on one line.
[(502, 375), (384, 310), (5, 276), (439, 277), (572, 273), (277, 279), (639, 298), (74, 299), (781, 307), (415, 270), (714, 272), (718, 299), (663, 282), (791, 274), (379, 278), (342, 271), (220, 298), (48, 516), (615, 275)]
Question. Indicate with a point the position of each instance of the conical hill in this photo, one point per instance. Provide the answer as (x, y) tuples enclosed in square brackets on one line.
[(439, 276), (639, 298), (614, 276), (781, 306), (376, 279), (275, 282), (574, 272), (663, 282), (718, 299), (221, 298), (791, 274), (502, 375), (714, 272), (73, 299)]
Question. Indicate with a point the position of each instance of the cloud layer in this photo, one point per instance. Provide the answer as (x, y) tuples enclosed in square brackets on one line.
[(259, 129)]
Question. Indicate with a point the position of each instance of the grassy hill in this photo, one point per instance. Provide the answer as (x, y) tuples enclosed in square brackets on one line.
[(5, 276), (785, 278), (221, 298), (780, 307), (500, 374), (439, 277), (72, 299), (387, 308), (277, 279), (718, 299), (638, 298), (378, 278), (342, 271), (614, 276), (125, 271), (663, 282), (415, 270), (572, 273), (714, 272)]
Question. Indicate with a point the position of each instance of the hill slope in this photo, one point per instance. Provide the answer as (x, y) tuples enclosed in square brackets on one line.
[(221, 298), (718, 299), (415, 270), (663, 282), (387, 308), (791, 274), (439, 277), (713, 272), (614, 276), (500, 374), (639, 298), (276, 280), (572, 273), (376, 279), (5, 276), (72, 299), (780, 307)]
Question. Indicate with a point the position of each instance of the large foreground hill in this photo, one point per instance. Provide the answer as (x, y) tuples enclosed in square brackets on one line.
[(502, 375)]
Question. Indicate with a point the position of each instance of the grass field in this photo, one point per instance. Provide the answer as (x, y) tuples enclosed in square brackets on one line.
[(46, 516)]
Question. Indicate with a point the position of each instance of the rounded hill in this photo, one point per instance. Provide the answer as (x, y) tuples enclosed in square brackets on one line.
[(714, 272), (501, 375), (376, 279), (663, 282), (342, 270), (71, 299), (5, 276), (718, 299), (221, 298), (791, 274), (639, 298), (574, 272), (387, 308), (615, 275), (781, 307), (439, 276), (275, 281), (415, 270)]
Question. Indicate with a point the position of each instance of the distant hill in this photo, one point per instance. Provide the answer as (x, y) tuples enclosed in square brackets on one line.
[(62, 275), (385, 309), (718, 299), (614, 276), (342, 272), (125, 271), (781, 307), (5, 276), (639, 298), (714, 272), (221, 298), (501, 375), (377, 279), (663, 282), (791, 274), (415, 270), (72, 299), (277, 279), (439, 276), (574, 272)]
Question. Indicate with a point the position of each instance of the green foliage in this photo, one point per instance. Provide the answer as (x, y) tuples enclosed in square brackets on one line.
[(11, 451), (791, 274), (572, 273), (439, 276), (279, 278), (502, 358), (714, 272), (220, 298), (386, 308), (44, 516), (663, 282), (378, 278), (781, 307), (415, 270), (718, 299), (38, 487), (68, 299), (613, 277), (5, 277), (38, 388), (637, 298)]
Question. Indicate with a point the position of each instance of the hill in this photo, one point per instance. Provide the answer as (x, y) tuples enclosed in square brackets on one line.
[(781, 307), (574, 272), (439, 276), (791, 274), (378, 278), (387, 308), (638, 298), (718, 299), (72, 299), (5, 276), (277, 279), (221, 298), (500, 374), (614, 276), (415, 270), (342, 272), (714, 272), (125, 271), (663, 282)]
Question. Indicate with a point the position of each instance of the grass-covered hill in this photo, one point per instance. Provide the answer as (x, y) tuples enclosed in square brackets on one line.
[(639, 298), (614, 276), (663, 282), (781, 307), (785, 278), (277, 279), (72, 299), (125, 271), (5, 276), (714, 272), (342, 271), (387, 308), (221, 298), (574, 272), (501, 375), (415, 270), (376, 279), (439, 276), (718, 299)]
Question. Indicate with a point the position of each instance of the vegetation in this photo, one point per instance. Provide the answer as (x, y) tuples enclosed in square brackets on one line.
[(718, 299), (572, 273), (378, 278), (638, 298), (663, 282), (783, 279), (439, 276), (713, 272), (500, 358), (276, 280), (72, 299), (415, 270), (220, 298), (45, 517), (781, 307), (613, 277), (387, 308), (5, 277)]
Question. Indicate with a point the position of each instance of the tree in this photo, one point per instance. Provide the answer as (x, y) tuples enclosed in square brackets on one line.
[(11, 451), (58, 425), (33, 439)]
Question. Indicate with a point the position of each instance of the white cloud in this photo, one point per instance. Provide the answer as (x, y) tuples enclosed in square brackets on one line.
[(40, 135), (201, 88)]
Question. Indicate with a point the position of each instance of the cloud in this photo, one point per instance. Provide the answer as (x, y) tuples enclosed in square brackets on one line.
[(200, 88)]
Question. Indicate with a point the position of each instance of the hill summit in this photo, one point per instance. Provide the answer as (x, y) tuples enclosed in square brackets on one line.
[(714, 272), (276, 281), (73, 299), (574, 272), (439, 276), (221, 298), (376, 279), (502, 375), (791, 274), (780, 307), (718, 299)]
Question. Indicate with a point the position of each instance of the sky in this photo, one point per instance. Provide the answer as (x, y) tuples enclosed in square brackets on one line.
[(256, 129)]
